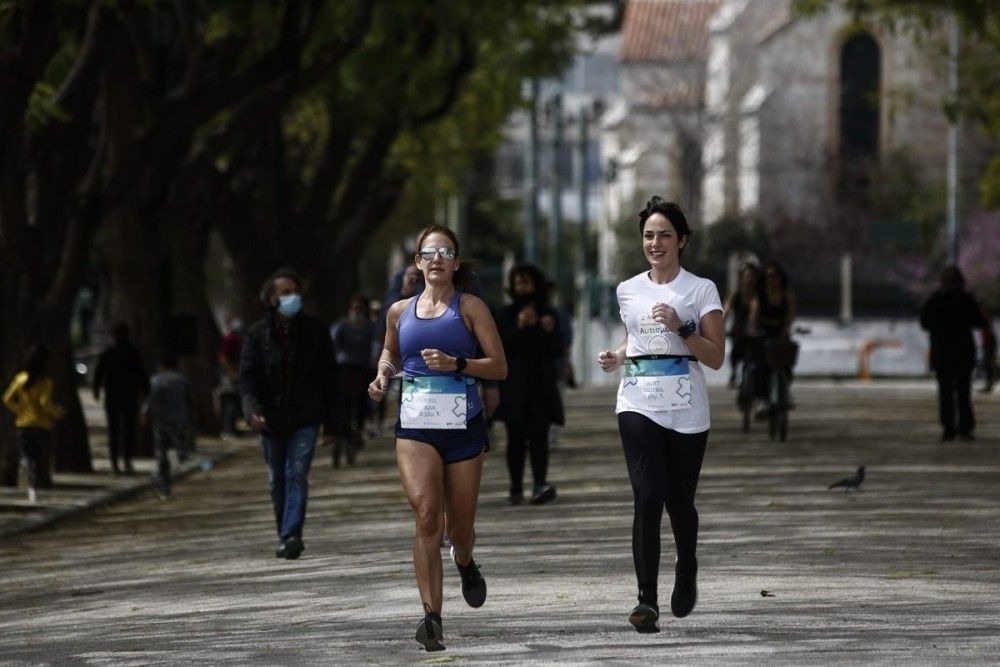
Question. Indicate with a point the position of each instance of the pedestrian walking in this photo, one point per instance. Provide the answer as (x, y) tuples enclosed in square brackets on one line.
[(288, 381), (122, 376), (353, 338), (229, 376), (949, 315), (529, 397), (673, 325), (29, 397), (441, 433), (168, 410)]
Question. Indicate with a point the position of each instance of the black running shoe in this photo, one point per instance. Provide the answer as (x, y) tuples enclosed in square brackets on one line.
[(430, 633), (644, 618), (685, 593), (291, 548), (543, 493), (473, 584)]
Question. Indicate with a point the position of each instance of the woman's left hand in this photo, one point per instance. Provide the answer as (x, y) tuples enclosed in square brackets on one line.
[(437, 360), (667, 316)]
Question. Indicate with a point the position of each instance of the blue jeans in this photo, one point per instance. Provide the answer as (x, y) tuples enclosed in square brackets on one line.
[(288, 459)]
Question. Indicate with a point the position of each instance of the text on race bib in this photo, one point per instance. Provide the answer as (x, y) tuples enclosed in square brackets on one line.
[(658, 384), (437, 402)]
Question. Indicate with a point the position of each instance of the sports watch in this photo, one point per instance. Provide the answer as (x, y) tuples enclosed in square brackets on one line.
[(459, 364), (687, 329)]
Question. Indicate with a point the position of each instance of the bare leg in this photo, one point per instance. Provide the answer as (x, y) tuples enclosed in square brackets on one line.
[(421, 472), (461, 492)]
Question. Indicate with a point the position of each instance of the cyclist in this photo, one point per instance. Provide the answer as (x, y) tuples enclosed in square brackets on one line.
[(771, 315), (738, 303)]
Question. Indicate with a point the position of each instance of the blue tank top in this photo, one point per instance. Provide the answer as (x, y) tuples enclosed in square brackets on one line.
[(447, 333)]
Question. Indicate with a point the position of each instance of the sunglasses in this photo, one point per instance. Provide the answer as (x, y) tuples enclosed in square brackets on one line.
[(429, 253)]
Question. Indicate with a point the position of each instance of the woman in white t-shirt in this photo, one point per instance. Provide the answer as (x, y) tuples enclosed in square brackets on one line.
[(673, 324)]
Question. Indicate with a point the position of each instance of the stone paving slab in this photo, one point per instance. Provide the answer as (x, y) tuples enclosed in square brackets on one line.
[(908, 570)]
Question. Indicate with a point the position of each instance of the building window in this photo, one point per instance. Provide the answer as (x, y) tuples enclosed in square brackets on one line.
[(860, 67)]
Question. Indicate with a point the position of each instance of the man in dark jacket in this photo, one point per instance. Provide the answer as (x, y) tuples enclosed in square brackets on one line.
[(950, 315), (287, 385), (123, 377)]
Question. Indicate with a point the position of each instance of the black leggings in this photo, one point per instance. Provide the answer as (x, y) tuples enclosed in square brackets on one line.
[(663, 467), (533, 437)]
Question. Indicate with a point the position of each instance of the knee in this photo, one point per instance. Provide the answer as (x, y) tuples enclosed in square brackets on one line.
[(682, 508), (648, 500), (429, 520)]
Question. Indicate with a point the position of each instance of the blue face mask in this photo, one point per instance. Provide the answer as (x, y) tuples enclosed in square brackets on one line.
[(289, 305)]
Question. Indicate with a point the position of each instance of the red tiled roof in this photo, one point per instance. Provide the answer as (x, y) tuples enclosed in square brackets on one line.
[(666, 30)]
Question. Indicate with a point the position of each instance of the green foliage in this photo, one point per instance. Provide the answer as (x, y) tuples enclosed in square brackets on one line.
[(42, 108)]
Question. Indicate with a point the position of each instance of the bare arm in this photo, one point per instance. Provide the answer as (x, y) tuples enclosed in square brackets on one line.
[(493, 364), (390, 360), (609, 360), (709, 343), (790, 318)]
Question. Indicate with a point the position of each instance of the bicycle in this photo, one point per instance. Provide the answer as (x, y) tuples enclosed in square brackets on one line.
[(778, 356), (747, 390), (781, 355)]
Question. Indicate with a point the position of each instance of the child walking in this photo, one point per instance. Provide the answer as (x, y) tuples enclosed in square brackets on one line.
[(29, 397), (168, 408)]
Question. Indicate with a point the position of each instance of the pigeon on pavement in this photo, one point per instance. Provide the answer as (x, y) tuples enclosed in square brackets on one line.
[(851, 481)]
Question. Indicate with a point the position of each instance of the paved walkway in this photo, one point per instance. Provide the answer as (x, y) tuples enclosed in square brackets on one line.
[(906, 570)]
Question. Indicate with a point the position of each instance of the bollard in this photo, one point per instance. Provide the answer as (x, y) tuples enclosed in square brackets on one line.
[(864, 356)]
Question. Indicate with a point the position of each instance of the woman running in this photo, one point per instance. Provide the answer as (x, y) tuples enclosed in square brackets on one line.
[(673, 324), (441, 434)]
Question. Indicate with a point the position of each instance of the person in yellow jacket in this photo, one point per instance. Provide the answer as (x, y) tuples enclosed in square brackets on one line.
[(29, 397)]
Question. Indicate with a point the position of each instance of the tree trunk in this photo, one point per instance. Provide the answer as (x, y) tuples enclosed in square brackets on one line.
[(70, 440)]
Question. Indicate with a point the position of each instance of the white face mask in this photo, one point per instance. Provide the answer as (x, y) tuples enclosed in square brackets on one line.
[(289, 305)]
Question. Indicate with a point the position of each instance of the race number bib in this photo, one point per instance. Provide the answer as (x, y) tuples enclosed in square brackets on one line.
[(658, 384), (433, 402)]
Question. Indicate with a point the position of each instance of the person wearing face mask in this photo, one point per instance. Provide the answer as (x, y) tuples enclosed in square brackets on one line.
[(673, 326), (353, 337), (529, 397), (288, 385)]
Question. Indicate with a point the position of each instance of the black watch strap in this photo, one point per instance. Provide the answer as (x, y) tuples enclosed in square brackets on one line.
[(687, 329), (460, 364)]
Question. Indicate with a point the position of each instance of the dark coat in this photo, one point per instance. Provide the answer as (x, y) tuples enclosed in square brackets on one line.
[(531, 390), (306, 396), (950, 316), (122, 375)]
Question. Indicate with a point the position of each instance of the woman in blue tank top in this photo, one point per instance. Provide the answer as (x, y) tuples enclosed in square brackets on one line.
[(441, 434)]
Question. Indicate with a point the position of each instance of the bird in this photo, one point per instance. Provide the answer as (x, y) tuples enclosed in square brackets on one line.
[(851, 481)]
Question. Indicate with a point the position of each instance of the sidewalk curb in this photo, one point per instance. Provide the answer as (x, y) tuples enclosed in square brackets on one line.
[(109, 496)]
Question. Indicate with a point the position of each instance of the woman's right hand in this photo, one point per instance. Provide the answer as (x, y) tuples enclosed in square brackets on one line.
[(378, 387), (608, 360)]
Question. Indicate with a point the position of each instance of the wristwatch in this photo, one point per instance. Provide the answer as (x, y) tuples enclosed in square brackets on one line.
[(687, 329), (459, 364)]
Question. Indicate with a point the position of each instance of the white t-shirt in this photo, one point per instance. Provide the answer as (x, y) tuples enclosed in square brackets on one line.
[(692, 297)]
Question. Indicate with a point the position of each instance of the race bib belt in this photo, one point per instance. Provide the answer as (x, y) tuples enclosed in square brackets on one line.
[(658, 382), (437, 401)]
